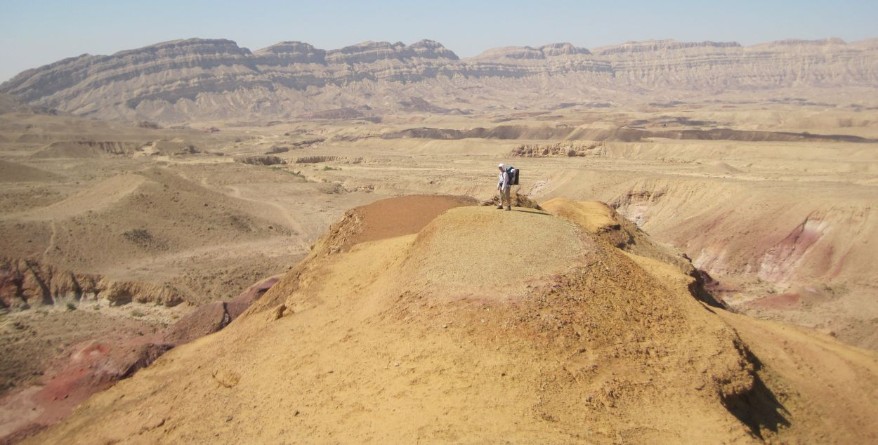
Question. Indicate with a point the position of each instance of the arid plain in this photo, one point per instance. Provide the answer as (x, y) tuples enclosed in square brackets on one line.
[(121, 228)]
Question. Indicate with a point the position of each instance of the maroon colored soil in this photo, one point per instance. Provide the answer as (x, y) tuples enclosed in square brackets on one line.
[(404, 215), (780, 301)]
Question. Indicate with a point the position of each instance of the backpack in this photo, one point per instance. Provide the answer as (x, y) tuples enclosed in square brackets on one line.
[(513, 175)]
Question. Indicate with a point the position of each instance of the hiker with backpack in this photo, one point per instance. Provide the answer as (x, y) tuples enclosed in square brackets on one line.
[(507, 178)]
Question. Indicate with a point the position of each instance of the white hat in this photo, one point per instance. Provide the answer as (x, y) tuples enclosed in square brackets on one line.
[(501, 166)]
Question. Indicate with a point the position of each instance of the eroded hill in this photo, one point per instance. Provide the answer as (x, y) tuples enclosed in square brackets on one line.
[(481, 325)]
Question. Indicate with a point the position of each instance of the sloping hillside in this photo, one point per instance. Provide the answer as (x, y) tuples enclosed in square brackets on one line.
[(480, 326)]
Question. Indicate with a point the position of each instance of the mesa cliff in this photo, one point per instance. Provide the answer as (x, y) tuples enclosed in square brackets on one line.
[(201, 79)]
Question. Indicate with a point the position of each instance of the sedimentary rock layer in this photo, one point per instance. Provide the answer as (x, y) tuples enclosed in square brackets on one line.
[(218, 79)]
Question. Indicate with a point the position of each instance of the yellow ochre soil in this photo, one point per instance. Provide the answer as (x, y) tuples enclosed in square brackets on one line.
[(487, 326)]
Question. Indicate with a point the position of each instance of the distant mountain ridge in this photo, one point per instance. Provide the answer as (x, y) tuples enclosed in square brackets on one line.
[(216, 79)]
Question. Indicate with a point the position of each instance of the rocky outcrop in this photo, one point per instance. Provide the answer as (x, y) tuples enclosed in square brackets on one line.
[(718, 66), (24, 283), (660, 46), (284, 53), (261, 160), (567, 149), (217, 78), (86, 149), (205, 319), (213, 317), (369, 52), (526, 52), (95, 364)]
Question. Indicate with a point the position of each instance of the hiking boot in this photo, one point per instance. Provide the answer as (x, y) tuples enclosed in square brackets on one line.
[(499, 207)]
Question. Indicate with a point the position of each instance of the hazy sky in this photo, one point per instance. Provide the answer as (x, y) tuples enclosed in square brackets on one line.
[(37, 32)]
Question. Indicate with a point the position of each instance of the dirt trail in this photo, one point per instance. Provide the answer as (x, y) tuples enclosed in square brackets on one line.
[(292, 223)]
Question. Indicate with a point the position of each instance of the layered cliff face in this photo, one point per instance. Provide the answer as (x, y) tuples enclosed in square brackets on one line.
[(188, 69), (824, 63), (198, 78), (24, 283), (74, 81)]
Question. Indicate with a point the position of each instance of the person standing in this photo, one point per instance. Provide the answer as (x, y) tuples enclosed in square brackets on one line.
[(503, 185)]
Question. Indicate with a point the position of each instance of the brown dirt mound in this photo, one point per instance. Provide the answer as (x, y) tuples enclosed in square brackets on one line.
[(15, 172), (95, 198), (388, 218), (152, 220), (365, 346), (213, 317), (238, 305), (204, 320), (602, 220), (600, 338), (404, 215), (594, 216), (486, 252), (86, 149)]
